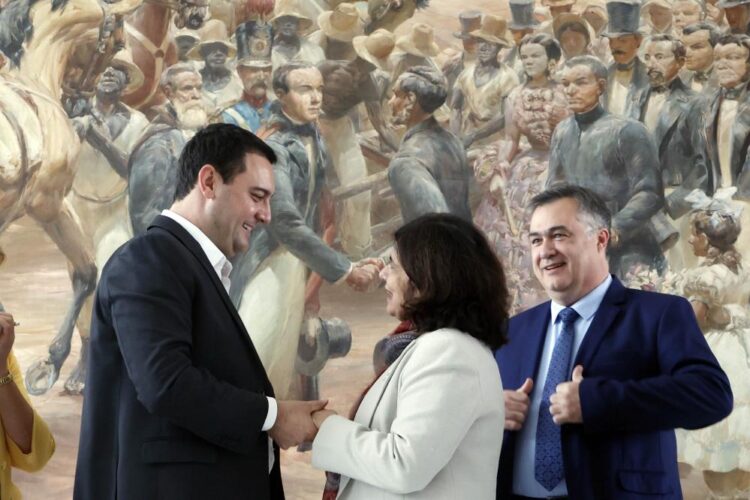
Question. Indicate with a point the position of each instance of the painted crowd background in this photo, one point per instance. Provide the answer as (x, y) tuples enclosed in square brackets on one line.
[(425, 106)]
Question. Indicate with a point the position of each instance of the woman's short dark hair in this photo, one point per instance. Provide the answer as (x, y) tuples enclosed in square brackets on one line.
[(221, 145), (458, 279), (551, 46), (428, 84)]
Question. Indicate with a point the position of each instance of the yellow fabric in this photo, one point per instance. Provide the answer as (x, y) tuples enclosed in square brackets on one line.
[(42, 444)]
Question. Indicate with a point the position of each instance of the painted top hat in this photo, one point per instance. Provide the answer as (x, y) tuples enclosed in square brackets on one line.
[(342, 23), (493, 30), (557, 3), (624, 18), (213, 32), (522, 15), (419, 42), (726, 4), (289, 8), (470, 20), (567, 20), (254, 44), (375, 47), (123, 60)]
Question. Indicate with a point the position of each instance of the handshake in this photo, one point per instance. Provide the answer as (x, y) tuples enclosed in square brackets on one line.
[(298, 421), (364, 273)]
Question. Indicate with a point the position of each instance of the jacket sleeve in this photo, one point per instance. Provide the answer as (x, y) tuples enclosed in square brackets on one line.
[(146, 295), (289, 228), (639, 156), (436, 397), (691, 392), (42, 442), (416, 190)]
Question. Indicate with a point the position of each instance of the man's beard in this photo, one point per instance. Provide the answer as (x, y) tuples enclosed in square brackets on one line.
[(402, 117), (190, 115)]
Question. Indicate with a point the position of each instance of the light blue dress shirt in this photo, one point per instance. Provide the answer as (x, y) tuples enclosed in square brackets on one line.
[(524, 482)]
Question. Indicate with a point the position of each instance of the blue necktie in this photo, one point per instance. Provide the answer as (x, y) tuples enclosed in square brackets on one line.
[(548, 462)]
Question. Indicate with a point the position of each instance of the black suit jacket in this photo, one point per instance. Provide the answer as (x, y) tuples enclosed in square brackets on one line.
[(175, 395)]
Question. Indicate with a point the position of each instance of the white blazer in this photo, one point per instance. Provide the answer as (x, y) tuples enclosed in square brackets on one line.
[(431, 427)]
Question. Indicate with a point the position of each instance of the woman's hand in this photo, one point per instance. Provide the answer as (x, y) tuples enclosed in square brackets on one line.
[(320, 416), (7, 337)]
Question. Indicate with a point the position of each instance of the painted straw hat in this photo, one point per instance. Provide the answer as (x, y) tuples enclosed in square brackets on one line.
[(494, 30), (214, 32), (419, 42), (123, 60), (375, 47), (342, 23), (567, 19), (290, 8)]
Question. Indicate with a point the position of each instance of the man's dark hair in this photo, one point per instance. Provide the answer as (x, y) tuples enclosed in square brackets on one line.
[(590, 204), (591, 62), (713, 31), (428, 84), (551, 46), (736, 39), (678, 48), (221, 145), (459, 280), (280, 78)]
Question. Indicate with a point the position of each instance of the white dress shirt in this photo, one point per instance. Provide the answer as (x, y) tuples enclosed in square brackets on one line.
[(223, 267), (524, 482), (727, 115)]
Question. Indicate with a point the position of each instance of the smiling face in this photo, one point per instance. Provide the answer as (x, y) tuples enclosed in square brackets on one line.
[(397, 286), (731, 64), (661, 63), (238, 206), (685, 13), (699, 53), (534, 60), (302, 102), (568, 256), (581, 88)]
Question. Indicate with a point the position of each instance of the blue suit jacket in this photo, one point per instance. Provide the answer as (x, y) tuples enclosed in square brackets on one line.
[(647, 370)]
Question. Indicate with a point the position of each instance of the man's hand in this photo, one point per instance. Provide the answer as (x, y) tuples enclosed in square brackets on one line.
[(565, 404), (364, 273), (517, 405), (294, 423), (320, 416), (7, 337)]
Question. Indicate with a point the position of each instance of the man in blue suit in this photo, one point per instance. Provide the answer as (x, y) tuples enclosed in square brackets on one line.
[(640, 368)]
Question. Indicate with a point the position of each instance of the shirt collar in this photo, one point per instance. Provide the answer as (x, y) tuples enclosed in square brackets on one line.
[(216, 258), (587, 305)]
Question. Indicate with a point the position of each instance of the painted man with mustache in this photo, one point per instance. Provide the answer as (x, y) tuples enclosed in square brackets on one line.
[(673, 113), (153, 163), (613, 156)]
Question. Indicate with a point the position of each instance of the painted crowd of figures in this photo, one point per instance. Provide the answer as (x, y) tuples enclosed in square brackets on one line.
[(646, 104)]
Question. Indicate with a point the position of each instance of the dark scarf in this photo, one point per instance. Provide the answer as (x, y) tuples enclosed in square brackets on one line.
[(386, 352)]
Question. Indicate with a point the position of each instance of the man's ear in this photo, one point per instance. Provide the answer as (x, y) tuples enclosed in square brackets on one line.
[(602, 86), (167, 89), (208, 179)]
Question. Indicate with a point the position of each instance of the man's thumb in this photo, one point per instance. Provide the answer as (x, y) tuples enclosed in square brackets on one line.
[(528, 384), (317, 405), (578, 373)]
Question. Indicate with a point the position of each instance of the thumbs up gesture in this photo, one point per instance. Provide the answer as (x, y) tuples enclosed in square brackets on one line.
[(517, 405), (565, 403)]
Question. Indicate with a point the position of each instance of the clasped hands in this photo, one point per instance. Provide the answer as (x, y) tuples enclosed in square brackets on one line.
[(298, 422), (364, 273), (565, 403)]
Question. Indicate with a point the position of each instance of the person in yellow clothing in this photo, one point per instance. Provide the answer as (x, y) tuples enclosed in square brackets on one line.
[(25, 440)]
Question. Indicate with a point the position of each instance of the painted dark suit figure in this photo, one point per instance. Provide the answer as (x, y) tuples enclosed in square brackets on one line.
[(592, 417), (613, 156), (430, 172)]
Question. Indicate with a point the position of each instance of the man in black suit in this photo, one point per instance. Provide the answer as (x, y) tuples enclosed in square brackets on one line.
[(177, 403)]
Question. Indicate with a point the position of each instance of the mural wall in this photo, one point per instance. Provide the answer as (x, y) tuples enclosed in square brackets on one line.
[(425, 106)]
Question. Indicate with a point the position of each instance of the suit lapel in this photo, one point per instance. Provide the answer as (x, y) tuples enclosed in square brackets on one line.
[(186, 239), (668, 118), (608, 311), (740, 133), (712, 140), (532, 339)]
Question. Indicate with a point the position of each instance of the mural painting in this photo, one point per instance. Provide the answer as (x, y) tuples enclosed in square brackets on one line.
[(379, 112)]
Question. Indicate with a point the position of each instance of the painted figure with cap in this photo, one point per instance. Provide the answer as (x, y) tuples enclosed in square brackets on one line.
[(627, 74), (699, 40), (673, 114), (98, 195), (185, 39), (289, 44), (338, 27), (153, 163), (522, 23), (573, 34), (657, 16), (615, 157), (470, 20), (416, 48), (346, 84), (737, 13), (254, 41), (595, 14), (221, 86), (511, 175), (478, 99)]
